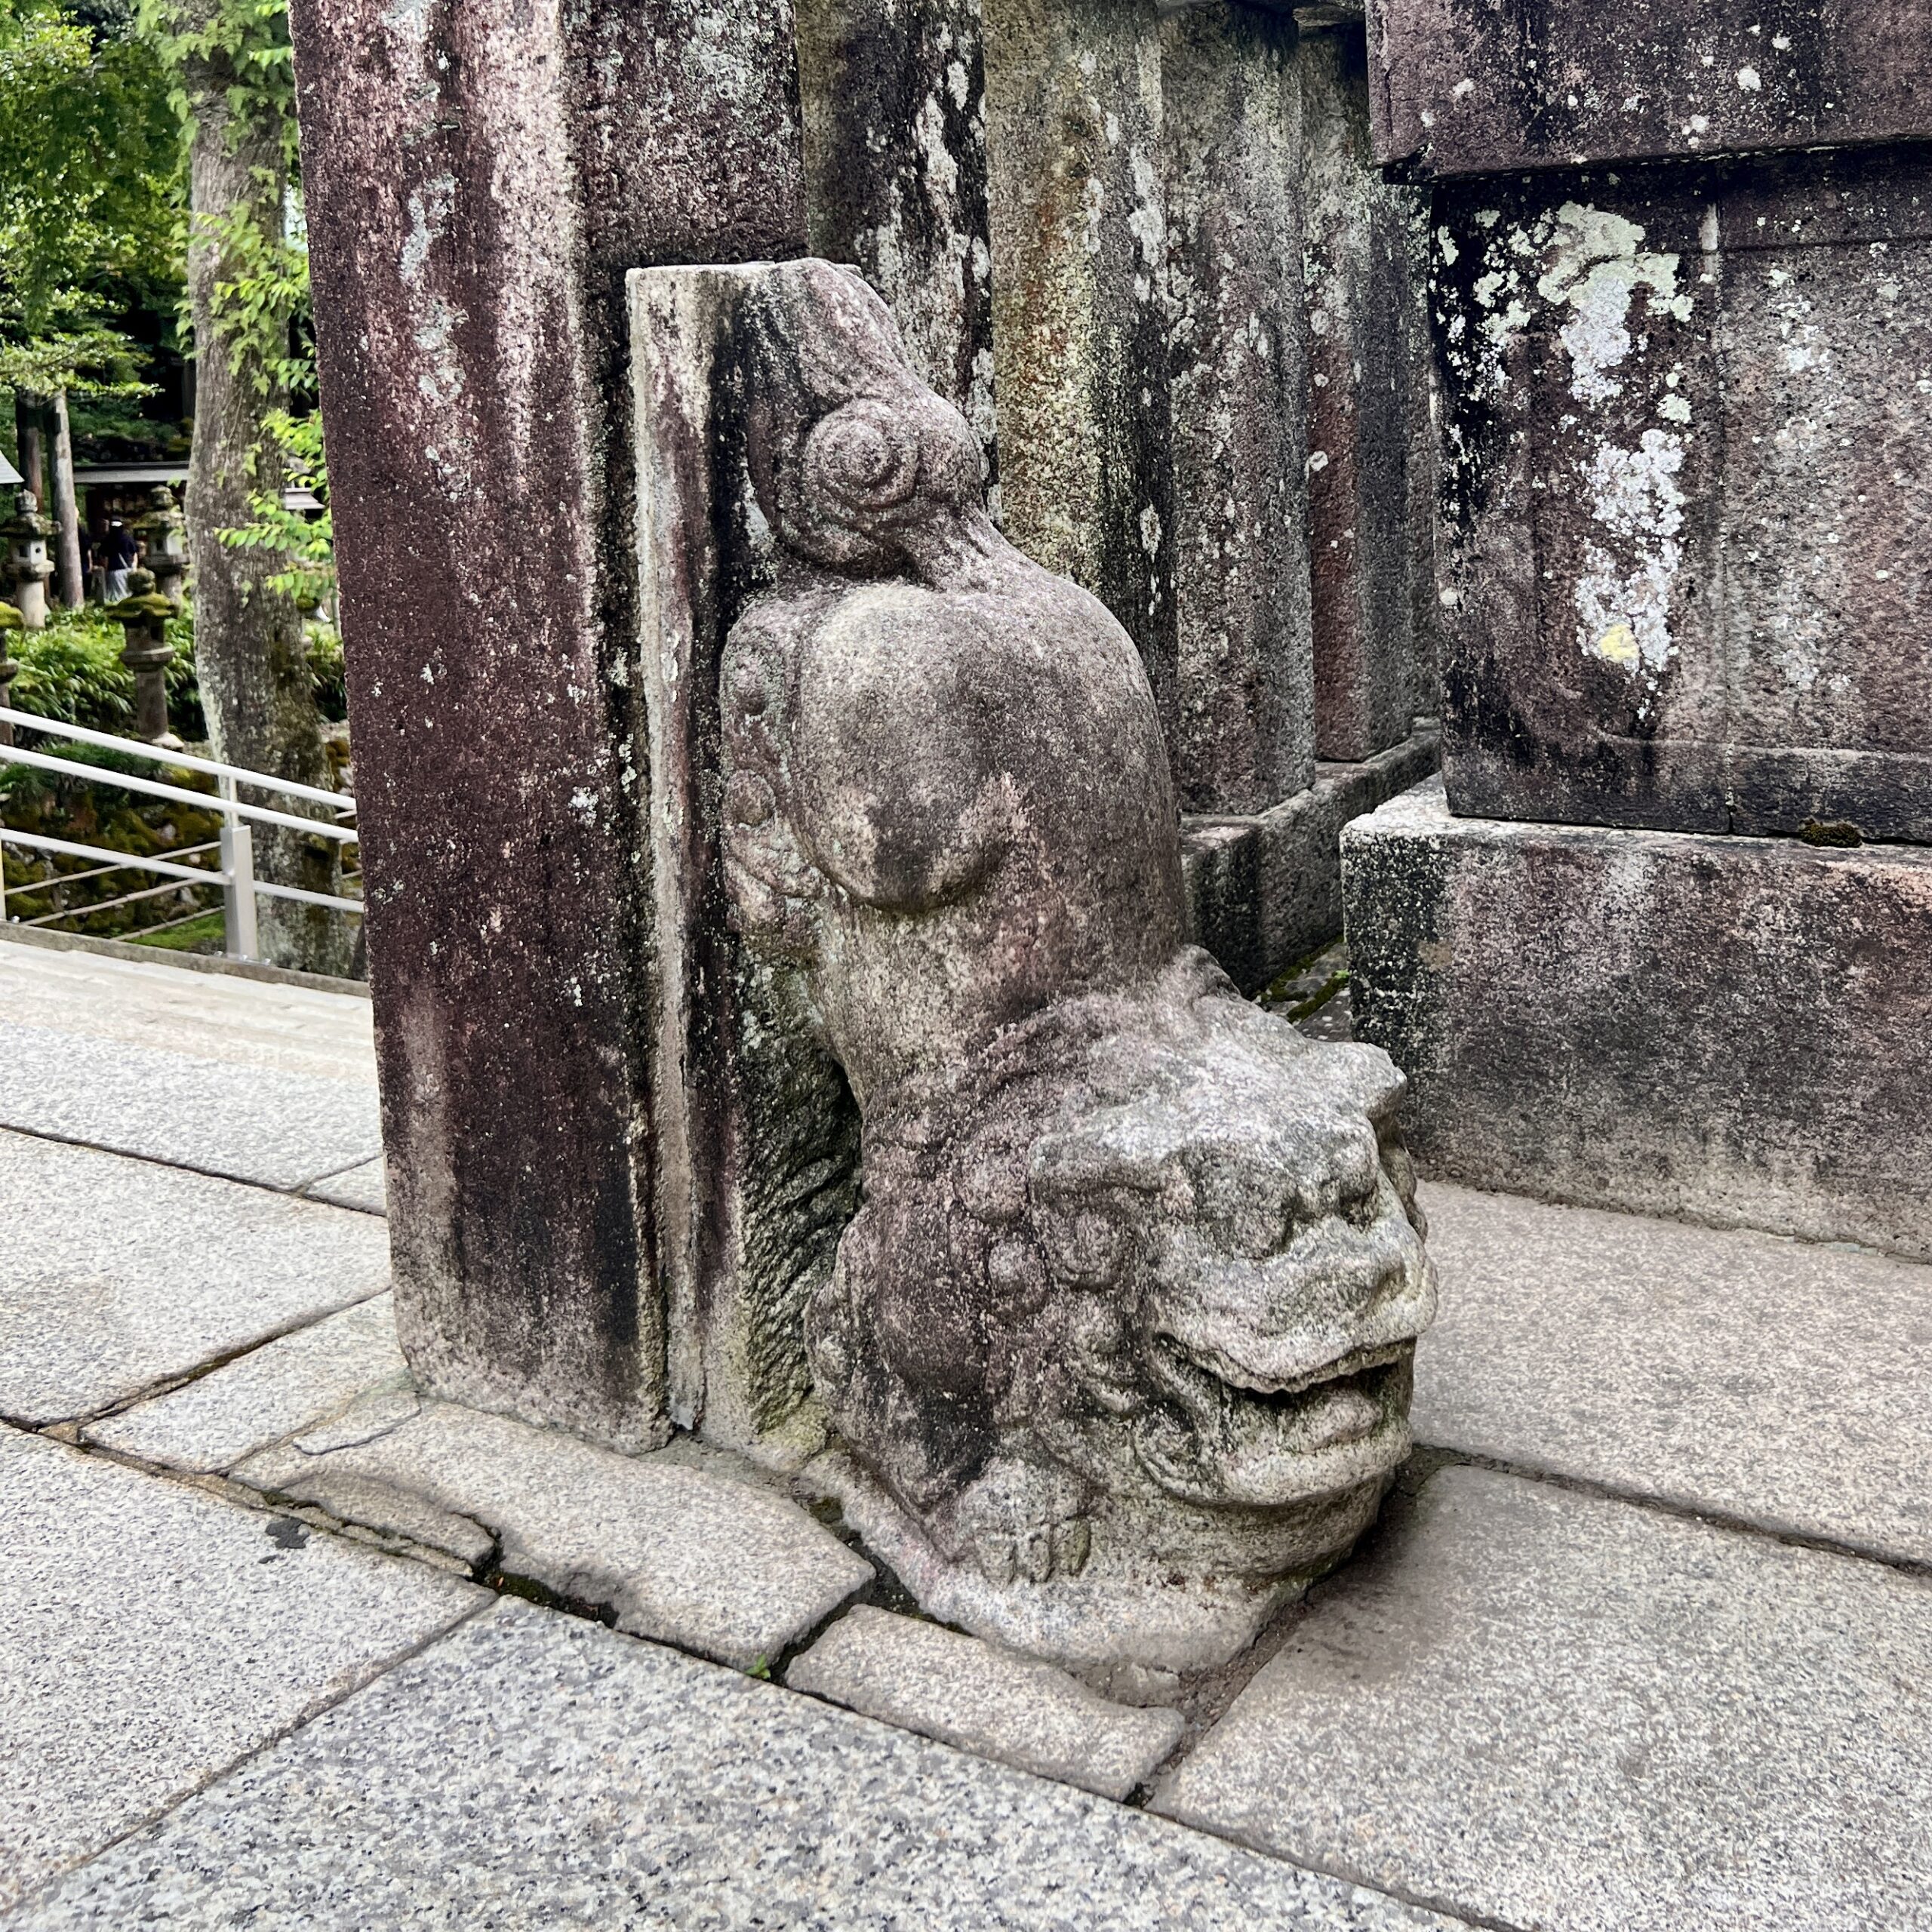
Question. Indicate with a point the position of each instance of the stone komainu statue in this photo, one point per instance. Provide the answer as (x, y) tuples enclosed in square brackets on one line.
[(1131, 1297)]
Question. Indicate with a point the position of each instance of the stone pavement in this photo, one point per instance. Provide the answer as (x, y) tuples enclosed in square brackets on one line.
[(1644, 1638)]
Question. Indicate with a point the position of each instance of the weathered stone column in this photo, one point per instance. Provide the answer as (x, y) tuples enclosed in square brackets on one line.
[(895, 140), (1081, 344), (1361, 399), (1686, 310), (142, 615), (28, 564), (480, 179), (1244, 736)]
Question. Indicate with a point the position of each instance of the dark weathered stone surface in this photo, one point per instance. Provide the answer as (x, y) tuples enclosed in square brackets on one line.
[(1264, 891), (479, 179), (1739, 1031), (1363, 346), (895, 136), (1132, 1291), (1243, 737), (1690, 415), (757, 1134), (1079, 247), (1467, 86)]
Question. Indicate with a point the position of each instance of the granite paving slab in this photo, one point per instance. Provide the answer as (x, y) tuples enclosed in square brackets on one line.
[(730, 1570), (270, 1083), (1570, 1715), (117, 1276), (1782, 1382), (153, 1635), (923, 1677), (532, 1769), (253, 1401), (363, 1187)]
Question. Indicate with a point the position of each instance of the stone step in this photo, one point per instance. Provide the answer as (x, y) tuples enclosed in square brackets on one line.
[(154, 1635), (1546, 1710), (1779, 1382), (944, 1685), (261, 1398), (730, 1569), (274, 1085)]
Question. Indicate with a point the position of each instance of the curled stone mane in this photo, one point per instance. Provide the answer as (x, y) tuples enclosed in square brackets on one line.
[(848, 447)]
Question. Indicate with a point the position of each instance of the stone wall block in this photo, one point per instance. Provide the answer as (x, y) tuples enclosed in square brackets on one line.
[(479, 176), (1734, 1030), (895, 135), (1231, 143), (1687, 431), (1079, 249), (1464, 87)]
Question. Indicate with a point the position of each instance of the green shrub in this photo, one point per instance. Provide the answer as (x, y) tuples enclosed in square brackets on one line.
[(72, 671)]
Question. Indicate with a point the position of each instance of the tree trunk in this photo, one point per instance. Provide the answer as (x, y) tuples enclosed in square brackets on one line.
[(33, 461), (250, 654), (69, 584)]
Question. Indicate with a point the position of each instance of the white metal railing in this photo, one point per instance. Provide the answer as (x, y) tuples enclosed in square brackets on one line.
[(235, 875)]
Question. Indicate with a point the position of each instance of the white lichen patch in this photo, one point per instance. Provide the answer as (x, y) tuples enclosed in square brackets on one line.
[(1622, 595), (1595, 263)]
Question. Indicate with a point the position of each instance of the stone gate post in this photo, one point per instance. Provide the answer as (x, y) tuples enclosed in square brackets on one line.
[(480, 177)]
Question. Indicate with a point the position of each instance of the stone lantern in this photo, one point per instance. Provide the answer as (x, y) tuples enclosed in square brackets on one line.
[(162, 536), (27, 561), (143, 615)]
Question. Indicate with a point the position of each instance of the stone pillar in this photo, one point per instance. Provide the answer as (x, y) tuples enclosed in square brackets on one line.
[(480, 178), (1081, 342), (142, 615), (1243, 736), (1361, 403), (1284, 658), (162, 534), (895, 142), (28, 564), (1684, 309)]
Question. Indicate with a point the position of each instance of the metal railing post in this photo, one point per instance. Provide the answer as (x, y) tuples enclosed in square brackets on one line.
[(237, 866)]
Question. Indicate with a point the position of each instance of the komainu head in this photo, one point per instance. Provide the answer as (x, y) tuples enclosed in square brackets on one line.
[(1145, 1290)]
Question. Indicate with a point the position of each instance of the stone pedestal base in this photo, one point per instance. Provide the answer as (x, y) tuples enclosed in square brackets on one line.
[(1736, 1030), (1265, 891), (1113, 1625)]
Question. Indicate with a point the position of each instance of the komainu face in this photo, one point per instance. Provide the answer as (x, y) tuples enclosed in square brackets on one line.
[(1238, 1201), (1159, 1301)]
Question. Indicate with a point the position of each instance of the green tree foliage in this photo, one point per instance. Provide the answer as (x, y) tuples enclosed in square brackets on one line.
[(92, 193)]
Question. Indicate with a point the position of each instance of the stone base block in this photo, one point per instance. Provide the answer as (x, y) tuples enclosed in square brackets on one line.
[(1265, 891), (1737, 1031)]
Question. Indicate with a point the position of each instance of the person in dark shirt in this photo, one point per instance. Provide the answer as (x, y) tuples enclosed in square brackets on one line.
[(119, 552)]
